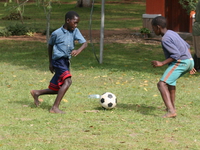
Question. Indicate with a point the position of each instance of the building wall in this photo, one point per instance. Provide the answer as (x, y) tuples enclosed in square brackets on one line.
[(177, 18), (155, 7)]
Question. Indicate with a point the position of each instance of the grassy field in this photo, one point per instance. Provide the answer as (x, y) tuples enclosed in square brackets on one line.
[(115, 15), (135, 124)]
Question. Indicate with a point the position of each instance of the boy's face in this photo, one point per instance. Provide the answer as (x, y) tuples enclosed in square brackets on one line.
[(72, 23), (156, 30)]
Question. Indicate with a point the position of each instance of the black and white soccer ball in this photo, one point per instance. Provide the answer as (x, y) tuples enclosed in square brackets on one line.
[(108, 100)]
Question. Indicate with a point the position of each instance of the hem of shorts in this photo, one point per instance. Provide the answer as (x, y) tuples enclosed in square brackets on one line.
[(51, 88), (63, 79)]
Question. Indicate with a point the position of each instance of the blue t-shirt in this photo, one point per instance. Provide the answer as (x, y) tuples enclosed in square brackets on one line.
[(174, 46), (62, 41)]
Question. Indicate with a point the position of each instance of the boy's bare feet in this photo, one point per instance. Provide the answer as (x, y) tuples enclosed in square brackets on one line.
[(166, 109), (169, 115), (35, 97), (56, 110)]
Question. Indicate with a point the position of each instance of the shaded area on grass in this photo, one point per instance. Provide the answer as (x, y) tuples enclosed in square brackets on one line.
[(116, 57), (138, 108)]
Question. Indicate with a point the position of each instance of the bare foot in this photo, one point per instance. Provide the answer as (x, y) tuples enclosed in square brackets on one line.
[(56, 110), (35, 97), (166, 109), (169, 115)]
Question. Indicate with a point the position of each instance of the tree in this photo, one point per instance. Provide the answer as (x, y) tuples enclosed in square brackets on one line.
[(46, 4), (19, 8), (84, 3), (189, 5)]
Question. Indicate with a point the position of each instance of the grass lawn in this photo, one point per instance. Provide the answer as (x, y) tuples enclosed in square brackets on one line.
[(135, 124), (117, 15)]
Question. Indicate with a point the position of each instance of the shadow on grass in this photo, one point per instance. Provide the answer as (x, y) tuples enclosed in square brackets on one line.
[(43, 105), (117, 57), (138, 108)]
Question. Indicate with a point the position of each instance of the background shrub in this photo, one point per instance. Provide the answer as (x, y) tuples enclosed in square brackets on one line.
[(17, 29), (5, 32)]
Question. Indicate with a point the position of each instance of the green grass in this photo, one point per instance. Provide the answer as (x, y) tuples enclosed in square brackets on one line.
[(134, 124), (115, 15)]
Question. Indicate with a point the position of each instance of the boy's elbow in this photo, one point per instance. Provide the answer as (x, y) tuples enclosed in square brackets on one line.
[(85, 44)]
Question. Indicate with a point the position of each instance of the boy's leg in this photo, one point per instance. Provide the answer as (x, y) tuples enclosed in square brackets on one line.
[(37, 93), (166, 96), (172, 90), (61, 93)]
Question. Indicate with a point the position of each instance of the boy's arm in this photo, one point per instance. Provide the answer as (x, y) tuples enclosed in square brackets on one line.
[(50, 51), (160, 64), (78, 51)]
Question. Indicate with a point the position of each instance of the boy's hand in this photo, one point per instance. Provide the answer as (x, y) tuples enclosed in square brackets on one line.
[(51, 68), (75, 52), (156, 63), (193, 71)]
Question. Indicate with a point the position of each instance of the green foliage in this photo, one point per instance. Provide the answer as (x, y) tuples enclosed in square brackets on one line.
[(145, 31), (19, 29), (189, 5), (14, 16), (5, 32)]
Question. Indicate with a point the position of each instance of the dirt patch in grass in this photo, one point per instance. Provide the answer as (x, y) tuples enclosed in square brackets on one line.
[(110, 36)]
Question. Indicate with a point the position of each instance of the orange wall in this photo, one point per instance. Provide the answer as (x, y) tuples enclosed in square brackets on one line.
[(155, 7)]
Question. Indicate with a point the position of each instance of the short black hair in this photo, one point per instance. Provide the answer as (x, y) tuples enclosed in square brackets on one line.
[(159, 20), (71, 14)]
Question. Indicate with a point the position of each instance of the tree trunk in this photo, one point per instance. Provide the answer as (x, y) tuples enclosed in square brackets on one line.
[(84, 3), (20, 12), (48, 19)]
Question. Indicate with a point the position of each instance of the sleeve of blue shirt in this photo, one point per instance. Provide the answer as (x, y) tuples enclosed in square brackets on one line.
[(52, 39), (79, 37)]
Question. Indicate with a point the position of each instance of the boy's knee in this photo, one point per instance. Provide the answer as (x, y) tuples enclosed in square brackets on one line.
[(160, 84), (68, 81)]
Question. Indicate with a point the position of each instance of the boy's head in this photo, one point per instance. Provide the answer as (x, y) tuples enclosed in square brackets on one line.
[(159, 24), (70, 15), (71, 20)]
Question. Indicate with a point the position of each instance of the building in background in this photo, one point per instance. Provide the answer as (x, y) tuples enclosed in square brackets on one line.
[(177, 18)]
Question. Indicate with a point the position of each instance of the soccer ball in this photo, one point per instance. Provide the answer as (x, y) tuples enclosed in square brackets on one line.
[(108, 100)]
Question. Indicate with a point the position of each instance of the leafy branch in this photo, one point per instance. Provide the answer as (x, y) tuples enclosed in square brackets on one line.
[(188, 5)]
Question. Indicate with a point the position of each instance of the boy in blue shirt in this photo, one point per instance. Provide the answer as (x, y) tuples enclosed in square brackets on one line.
[(179, 59), (60, 50)]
